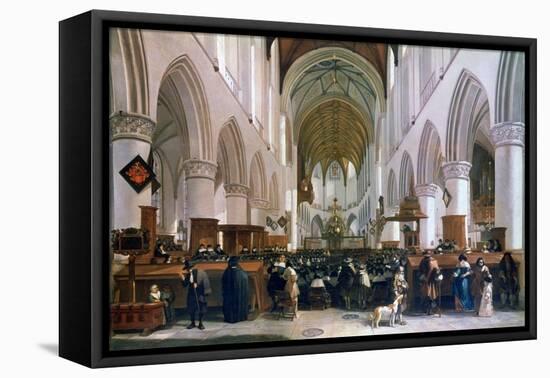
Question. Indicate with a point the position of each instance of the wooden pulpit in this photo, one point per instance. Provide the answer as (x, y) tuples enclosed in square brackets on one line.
[(454, 228), (203, 231)]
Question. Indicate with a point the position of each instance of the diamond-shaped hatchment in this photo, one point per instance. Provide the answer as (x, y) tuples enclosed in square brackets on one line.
[(447, 198), (137, 173)]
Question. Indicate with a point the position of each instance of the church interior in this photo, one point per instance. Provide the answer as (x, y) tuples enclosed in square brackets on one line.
[(283, 188)]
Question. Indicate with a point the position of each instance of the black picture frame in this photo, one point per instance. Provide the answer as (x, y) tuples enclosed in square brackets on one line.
[(84, 203)]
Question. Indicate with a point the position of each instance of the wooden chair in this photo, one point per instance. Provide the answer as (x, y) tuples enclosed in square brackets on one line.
[(318, 298), (285, 305)]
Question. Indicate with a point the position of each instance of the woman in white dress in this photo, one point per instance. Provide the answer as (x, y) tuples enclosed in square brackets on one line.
[(291, 286), (482, 289)]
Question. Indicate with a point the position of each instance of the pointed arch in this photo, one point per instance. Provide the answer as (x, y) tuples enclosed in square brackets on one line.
[(429, 155), (352, 224), (406, 175), (510, 90), (258, 186), (189, 89), (128, 72), (469, 105), (321, 54), (231, 153), (316, 226)]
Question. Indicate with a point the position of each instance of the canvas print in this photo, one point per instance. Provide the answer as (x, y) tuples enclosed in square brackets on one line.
[(271, 189)]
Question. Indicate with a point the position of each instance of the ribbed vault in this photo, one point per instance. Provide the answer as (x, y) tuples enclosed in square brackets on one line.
[(333, 131)]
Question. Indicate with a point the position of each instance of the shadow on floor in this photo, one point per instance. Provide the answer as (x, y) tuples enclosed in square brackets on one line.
[(52, 348)]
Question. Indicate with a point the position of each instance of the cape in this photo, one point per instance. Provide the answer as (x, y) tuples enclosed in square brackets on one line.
[(235, 295)]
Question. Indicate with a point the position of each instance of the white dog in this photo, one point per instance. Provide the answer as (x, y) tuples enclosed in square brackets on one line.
[(385, 313)]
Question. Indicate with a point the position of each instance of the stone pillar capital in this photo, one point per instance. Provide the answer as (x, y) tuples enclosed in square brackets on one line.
[(131, 126), (236, 190), (258, 203), (196, 168), (456, 170), (425, 190), (508, 134)]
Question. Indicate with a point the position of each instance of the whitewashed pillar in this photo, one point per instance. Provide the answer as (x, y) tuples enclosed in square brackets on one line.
[(391, 230), (258, 211), (426, 198), (199, 180), (509, 141), (130, 136), (457, 182), (294, 208), (236, 202)]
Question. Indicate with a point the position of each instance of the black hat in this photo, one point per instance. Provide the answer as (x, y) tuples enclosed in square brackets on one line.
[(188, 264), (233, 261)]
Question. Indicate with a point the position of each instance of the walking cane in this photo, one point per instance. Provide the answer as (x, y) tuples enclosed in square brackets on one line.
[(196, 298)]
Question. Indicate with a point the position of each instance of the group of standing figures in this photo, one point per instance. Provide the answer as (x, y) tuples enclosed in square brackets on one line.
[(472, 287), (347, 282), (235, 291)]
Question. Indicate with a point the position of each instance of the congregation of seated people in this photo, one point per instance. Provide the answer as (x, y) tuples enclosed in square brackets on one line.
[(208, 253), (336, 279)]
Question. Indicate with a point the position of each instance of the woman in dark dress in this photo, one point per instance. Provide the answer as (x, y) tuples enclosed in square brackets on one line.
[(461, 285)]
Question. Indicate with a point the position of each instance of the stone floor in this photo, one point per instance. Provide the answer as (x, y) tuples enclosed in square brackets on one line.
[(310, 324)]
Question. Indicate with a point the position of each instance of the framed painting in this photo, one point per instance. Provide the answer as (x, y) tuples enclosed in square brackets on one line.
[(253, 137)]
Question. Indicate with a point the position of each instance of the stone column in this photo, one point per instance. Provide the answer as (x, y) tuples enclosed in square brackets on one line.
[(426, 198), (379, 181), (294, 207), (236, 198), (457, 182), (130, 136), (391, 232), (258, 211), (199, 179), (509, 141)]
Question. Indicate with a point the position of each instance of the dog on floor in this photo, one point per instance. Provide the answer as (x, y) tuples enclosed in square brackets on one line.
[(385, 313)]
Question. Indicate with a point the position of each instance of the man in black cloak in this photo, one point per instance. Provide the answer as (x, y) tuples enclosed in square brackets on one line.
[(275, 283), (345, 281), (198, 285), (235, 292)]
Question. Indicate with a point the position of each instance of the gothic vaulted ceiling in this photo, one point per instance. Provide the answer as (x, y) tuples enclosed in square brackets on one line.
[(333, 103), (332, 78), (291, 49), (333, 131)]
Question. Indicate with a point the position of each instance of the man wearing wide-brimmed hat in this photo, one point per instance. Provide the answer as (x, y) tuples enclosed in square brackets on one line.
[(345, 281), (430, 277), (198, 285)]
